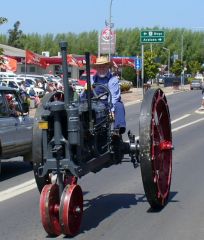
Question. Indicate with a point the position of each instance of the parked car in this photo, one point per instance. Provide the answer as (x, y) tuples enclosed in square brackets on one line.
[(4, 75), (13, 83), (195, 84), (199, 76), (15, 126), (161, 79)]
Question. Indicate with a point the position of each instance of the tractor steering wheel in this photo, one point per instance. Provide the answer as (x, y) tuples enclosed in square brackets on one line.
[(105, 95)]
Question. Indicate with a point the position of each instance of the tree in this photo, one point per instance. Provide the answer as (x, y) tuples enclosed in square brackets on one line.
[(150, 65), (2, 21), (194, 67), (129, 73), (16, 36), (177, 68)]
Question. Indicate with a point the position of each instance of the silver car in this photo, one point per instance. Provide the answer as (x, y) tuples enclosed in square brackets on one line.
[(195, 84), (15, 125)]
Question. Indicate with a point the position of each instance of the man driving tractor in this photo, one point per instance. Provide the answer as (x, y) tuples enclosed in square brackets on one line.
[(104, 76)]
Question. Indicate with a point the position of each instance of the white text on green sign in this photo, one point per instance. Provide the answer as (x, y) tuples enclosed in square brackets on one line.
[(151, 33), (152, 39)]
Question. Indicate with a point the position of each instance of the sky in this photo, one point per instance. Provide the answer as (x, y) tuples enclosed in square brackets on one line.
[(76, 16)]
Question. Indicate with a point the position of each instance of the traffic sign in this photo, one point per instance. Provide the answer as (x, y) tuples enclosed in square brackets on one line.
[(137, 63), (152, 36)]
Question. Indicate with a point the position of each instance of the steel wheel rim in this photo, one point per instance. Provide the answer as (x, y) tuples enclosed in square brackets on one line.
[(49, 209), (161, 145), (71, 209)]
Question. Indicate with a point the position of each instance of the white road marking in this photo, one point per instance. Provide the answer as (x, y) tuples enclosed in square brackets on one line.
[(31, 184), (178, 119), (17, 190), (186, 125)]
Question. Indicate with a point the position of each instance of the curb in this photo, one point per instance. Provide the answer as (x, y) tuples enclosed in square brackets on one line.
[(167, 94)]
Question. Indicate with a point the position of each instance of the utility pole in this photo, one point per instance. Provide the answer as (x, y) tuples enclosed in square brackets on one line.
[(169, 55), (110, 26)]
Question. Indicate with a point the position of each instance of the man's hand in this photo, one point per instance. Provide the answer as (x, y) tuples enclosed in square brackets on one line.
[(112, 116)]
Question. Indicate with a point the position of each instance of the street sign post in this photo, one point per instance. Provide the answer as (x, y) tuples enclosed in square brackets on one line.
[(137, 63), (138, 66), (152, 36)]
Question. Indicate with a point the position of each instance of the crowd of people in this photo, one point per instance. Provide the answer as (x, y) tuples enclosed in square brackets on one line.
[(30, 94)]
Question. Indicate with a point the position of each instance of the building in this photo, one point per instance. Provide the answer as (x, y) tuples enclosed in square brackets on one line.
[(53, 64)]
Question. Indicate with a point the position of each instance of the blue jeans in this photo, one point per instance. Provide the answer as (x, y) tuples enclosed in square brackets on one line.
[(120, 122)]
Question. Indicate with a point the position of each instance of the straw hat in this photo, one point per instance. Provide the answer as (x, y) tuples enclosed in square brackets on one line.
[(103, 60)]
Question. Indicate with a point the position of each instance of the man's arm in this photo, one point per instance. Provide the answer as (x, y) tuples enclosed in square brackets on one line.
[(114, 88)]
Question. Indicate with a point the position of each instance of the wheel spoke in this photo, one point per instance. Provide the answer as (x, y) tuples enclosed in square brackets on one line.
[(156, 174)]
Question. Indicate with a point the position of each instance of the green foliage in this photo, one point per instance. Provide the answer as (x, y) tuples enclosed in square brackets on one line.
[(125, 85), (150, 65), (177, 68), (2, 21), (127, 44), (194, 66), (16, 36), (128, 73)]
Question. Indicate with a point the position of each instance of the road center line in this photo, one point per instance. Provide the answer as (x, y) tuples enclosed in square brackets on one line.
[(178, 119), (188, 124), (31, 184)]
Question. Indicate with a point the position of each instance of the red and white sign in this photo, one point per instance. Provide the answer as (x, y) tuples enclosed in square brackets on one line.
[(107, 34), (107, 41)]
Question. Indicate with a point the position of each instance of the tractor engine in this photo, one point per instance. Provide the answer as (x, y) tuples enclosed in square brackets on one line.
[(88, 139)]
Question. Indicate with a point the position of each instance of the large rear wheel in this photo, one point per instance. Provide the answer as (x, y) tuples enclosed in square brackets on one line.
[(155, 147)]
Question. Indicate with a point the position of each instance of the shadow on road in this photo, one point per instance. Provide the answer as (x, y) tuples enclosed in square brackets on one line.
[(100, 208), (14, 168), (103, 206)]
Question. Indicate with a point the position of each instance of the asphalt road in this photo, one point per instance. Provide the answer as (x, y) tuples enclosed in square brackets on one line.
[(114, 201)]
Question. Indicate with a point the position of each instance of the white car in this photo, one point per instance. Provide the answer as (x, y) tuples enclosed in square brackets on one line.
[(37, 91)]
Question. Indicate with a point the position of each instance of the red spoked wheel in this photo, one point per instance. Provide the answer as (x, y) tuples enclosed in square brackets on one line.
[(155, 139), (71, 209), (49, 209)]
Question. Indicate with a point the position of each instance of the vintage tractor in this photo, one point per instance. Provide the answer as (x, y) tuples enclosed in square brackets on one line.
[(72, 137)]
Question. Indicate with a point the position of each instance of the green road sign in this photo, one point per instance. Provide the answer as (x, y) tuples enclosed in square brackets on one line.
[(152, 36)]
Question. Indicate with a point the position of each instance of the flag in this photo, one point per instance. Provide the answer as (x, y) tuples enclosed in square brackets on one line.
[(35, 59), (127, 61), (9, 64), (114, 64), (93, 59), (73, 61)]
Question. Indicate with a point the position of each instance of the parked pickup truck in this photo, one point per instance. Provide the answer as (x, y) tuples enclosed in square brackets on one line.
[(15, 126)]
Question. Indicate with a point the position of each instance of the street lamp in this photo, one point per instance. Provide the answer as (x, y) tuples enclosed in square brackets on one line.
[(167, 49), (182, 48), (110, 26)]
